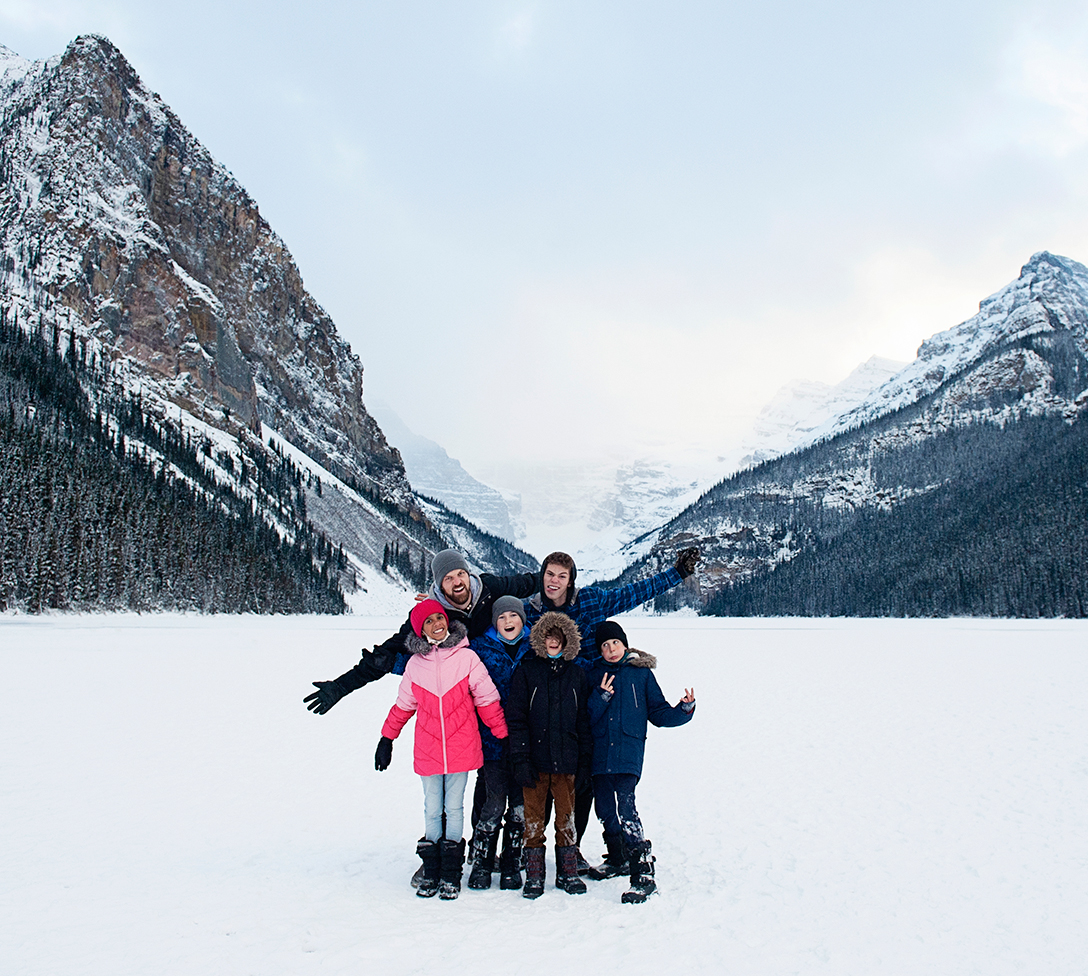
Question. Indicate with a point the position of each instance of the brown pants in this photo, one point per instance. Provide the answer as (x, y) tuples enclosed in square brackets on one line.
[(562, 789)]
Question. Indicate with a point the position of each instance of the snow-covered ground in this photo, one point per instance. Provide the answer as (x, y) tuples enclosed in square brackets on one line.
[(853, 797)]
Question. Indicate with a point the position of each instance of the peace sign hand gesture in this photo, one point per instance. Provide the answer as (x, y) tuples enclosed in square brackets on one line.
[(606, 683), (689, 695)]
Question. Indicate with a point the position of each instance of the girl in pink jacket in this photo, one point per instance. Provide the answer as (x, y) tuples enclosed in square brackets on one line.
[(445, 684)]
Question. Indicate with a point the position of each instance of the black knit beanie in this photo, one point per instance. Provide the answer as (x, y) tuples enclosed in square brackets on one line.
[(610, 630)]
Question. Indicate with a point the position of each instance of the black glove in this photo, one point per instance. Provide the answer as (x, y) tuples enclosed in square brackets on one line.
[(328, 694), (583, 782), (383, 755), (524, 775), (686, 561), (505, 758)]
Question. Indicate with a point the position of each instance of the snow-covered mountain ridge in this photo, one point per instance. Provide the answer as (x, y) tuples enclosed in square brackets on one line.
[(1025, 355), (117, 226)]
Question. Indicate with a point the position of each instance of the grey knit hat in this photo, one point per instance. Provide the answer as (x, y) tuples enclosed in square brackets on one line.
[(445, 562), (507, 604)]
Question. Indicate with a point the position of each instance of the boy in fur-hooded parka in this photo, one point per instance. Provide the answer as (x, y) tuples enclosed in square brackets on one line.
[(550, 745), (625, 698)]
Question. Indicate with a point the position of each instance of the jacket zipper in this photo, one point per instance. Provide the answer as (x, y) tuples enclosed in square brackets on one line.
[(635, 693), (441, 710)]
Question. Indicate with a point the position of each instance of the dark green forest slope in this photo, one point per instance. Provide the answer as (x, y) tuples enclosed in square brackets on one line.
[(105, 507), (1005, 535)]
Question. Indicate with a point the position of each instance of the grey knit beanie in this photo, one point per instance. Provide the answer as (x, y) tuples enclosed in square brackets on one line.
[(507, 604), (445, 562)]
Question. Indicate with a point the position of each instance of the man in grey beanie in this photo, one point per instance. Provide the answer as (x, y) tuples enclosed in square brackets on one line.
[(466, 596)]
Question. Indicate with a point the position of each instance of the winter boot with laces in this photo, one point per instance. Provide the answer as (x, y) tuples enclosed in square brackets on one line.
[(510, 859), (452, 863), (534, 872), (615, 861), (566, 871), (431, 855), (483, 858), (642, 875)]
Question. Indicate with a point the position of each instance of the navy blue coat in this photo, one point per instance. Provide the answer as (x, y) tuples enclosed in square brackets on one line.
[(618, 722), (500, 659)]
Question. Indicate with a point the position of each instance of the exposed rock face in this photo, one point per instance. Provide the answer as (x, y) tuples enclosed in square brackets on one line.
[(116, 222)]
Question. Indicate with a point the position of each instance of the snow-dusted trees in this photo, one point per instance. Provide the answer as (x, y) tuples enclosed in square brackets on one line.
[(121, 513)]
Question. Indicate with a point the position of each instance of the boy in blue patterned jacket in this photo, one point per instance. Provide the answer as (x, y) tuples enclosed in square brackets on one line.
[(502, 649), (625, 697)]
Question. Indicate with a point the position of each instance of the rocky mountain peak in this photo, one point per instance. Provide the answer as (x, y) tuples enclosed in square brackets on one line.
[(119, 224)]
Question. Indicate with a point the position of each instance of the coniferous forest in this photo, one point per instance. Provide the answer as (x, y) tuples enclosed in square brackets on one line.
[(1007, 536), (105, 507)]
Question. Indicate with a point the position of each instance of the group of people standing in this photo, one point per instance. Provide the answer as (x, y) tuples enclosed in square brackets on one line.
[(526, 679)]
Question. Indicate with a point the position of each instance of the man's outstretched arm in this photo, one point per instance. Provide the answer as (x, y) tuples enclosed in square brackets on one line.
[(625, 598), (522, 586), (372, 666)]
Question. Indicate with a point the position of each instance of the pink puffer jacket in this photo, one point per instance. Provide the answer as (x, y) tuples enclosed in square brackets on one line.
[(446, 686)]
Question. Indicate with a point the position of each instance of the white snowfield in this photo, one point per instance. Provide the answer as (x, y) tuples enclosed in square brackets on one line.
[(852, 797)]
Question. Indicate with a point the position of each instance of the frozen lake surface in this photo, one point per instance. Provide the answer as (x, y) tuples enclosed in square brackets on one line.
[(852, 797)]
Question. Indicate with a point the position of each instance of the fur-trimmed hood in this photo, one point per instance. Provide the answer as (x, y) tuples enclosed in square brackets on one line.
[(634, 657), (639, 659), (420, 645), (556, 621)]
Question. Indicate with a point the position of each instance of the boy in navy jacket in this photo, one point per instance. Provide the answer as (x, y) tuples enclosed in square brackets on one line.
[(625, 697)]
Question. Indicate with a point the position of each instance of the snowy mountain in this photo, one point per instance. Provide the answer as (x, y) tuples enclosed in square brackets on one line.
[(118, 228), (802, 409), (435, 474), (595, 511), (959, 464)]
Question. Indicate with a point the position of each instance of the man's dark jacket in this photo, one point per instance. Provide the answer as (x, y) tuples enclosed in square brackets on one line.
[(392, 654)]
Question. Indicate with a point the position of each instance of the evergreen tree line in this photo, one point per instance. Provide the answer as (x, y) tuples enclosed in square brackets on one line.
[(1005, 535), (89, 519), (401, 560)]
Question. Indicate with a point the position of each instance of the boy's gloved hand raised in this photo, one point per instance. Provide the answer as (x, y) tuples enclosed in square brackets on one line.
[(686, 561), (524, 775), (383, 755)]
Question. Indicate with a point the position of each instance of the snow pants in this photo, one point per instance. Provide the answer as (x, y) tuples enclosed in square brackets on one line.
[(615, 798), (561, 786), (503, 795)]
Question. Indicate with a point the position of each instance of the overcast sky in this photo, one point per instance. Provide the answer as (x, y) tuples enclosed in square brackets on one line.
[(566, 229)]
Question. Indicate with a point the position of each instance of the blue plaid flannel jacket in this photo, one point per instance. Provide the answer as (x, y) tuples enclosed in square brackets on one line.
[(590, 606)]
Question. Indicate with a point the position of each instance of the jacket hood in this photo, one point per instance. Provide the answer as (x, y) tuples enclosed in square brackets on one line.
[(635, 658), (420, 645), (556, 621), (540, 601), (475, 587)]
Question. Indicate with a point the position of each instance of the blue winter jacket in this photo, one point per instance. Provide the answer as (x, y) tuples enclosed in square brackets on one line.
[(500, 659), (618, 722)]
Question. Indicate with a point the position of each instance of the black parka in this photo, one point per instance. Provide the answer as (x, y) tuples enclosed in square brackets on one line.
[(546, 709)]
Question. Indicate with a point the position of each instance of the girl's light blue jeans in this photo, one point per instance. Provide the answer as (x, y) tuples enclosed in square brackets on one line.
[(444, 793)]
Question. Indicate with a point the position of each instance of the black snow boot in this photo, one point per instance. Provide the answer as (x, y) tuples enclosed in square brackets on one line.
[(431, 855), (510, 859), (534, 872), (566, 871), (483, 858), (452, 864), (418, 876), (642, 875), (615, 861)]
